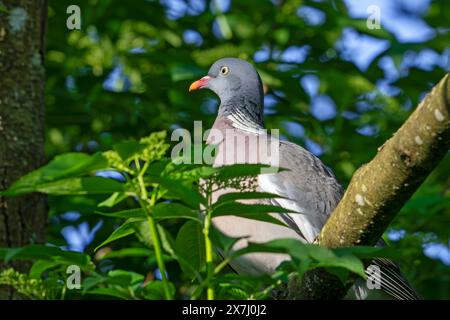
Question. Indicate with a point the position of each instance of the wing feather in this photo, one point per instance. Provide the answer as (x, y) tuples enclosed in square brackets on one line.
[(310, 188)]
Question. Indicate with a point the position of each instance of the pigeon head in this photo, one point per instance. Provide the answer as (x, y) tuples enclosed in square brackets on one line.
[(239, 88)]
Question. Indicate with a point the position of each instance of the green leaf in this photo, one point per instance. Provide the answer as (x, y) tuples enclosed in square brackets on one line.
[(71, 165), (144, 235), (361, 26), (157, 167), (71, 186), (228, 291), (281, 35), (49, 253), (309, 255), (80, 186), (128, 252), (41, 266), (171, 37), (248, 284), (121, 283), (366, 252), (190, 246), (110, 292), (250, 211), (126, 229), (63, 166), (226, 173), (184, 192), (224, 26), (3, 9), (113, 200), (167, 241), (83, 203), (128, 149), (130, 213), (162, 211), (154, 290), (232, 196), (124, 278), (222, 241), (93, 280), (187, 172)]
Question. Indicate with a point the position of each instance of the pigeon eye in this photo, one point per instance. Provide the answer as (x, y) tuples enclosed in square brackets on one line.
[(224, 71)]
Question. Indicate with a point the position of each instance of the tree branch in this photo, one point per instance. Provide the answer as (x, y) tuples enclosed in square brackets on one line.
[(379, 189)]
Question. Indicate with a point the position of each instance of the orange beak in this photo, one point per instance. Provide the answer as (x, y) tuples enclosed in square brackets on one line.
[(199, 84)]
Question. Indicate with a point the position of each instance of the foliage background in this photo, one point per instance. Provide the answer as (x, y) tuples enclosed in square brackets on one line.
[(333, 85)]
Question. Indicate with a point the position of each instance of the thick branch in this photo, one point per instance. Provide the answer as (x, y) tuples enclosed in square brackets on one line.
[(379, 189)]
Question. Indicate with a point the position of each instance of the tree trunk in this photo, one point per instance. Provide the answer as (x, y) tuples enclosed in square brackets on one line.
[(22, 81)]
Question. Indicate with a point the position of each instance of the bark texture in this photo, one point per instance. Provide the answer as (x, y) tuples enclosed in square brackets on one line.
[(379, 189), (22, 80)]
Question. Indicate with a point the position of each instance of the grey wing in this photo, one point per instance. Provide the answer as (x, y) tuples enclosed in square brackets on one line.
[(312, 189), (308, 186)]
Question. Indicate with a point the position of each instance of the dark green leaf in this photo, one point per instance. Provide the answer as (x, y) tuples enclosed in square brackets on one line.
[(143, 233), (184, 192), (366, 252), (130, 213), (126, 229), (110, 292), (42, 252), (63, 166), (222, 241), (162, 211), (250, 211), (113, 200), (232, 196), (239, 170), (41, 266), (154, 290), (128, 149), (128, 252), (71, 186), (308, 254), (124, 278), (190, 245)]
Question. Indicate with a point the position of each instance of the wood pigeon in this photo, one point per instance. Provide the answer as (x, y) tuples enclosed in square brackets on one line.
[(307, 187)]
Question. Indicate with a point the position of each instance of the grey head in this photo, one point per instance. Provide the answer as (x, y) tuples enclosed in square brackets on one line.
[(239, 88)]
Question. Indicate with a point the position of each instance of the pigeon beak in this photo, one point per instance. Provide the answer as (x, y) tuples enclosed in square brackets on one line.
[(199, 84)]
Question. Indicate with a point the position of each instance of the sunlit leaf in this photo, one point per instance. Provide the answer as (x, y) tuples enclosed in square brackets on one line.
[(190, 245), (42, 252), (63, 166), (130, 213), (126, 229)]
